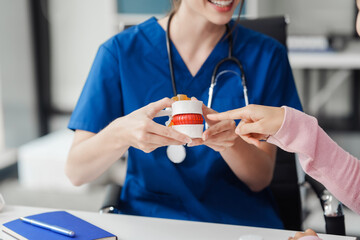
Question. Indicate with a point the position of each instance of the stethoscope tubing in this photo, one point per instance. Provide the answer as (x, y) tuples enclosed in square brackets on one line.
[(216, 68), (169, 51), (180, 154)]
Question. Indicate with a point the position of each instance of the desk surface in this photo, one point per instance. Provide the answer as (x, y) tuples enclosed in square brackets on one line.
[(133, 227), (347, 59)]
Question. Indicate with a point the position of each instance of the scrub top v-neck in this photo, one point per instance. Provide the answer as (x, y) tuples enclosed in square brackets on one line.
[(131, 70)]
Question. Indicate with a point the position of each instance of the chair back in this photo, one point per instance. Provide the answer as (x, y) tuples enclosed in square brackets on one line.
[(275, 27)]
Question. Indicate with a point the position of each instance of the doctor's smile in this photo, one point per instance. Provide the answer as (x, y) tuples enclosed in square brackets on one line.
[(222, 5)]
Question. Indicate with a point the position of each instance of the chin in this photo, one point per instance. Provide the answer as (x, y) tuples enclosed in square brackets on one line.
[(220, 20)]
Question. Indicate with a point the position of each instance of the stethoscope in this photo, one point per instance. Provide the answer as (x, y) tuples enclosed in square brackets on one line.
[(177, 153)]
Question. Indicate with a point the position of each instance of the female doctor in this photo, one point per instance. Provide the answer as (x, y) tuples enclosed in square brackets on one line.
[(223, 179)]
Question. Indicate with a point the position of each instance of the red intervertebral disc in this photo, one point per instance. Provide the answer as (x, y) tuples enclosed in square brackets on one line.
[(190, 118)]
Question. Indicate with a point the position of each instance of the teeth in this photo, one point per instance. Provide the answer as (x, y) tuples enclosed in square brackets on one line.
[(221, 3)]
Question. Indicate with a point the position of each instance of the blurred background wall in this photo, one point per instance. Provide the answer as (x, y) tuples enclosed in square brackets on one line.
[(17, 73), (77, 28)]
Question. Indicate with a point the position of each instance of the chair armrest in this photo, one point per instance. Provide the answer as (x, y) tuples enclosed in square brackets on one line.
[(332, 208), (111, 202)]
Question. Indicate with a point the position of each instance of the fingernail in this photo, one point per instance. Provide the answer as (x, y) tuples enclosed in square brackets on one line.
[(188, 140), (204, 137)]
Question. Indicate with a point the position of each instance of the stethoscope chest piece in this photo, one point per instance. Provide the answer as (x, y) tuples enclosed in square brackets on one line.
[(176, 153)]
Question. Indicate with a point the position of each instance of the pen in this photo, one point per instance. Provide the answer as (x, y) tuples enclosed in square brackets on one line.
[(50, 227)]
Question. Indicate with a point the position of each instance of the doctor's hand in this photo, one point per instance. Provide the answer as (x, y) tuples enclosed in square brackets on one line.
[(220, 134), (257, 122), (138, 129)]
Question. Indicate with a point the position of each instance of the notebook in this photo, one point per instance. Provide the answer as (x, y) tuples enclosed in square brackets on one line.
[(83, 229)]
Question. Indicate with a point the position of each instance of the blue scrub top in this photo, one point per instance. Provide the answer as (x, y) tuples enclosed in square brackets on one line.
[(131, 70)]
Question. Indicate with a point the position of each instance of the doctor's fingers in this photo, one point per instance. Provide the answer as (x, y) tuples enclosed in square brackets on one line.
[(206, 112), (153, 108), (219, 128), (150, 142), (219, 142), (215, 147), (148, 148), (195, 142), (226, 139), (168, 132)]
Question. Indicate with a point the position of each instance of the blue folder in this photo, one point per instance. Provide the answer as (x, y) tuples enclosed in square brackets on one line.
[(83, 229)]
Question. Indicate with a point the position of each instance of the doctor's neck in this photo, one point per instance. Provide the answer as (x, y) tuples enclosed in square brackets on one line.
[(187, 25)]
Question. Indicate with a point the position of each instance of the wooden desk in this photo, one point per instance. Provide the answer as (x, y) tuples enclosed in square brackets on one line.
[(133, 227)]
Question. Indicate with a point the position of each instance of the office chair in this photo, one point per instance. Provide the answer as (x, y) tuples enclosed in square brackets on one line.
[(285, 185)]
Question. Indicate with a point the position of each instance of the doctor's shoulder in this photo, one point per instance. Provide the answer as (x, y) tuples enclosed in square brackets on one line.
[(131, 36)]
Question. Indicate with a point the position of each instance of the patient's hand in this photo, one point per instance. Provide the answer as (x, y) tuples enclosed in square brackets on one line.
[(257, 122), (299, 235)]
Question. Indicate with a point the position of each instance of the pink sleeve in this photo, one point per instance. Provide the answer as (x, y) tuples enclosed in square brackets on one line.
[(310, 238), (320, 156)]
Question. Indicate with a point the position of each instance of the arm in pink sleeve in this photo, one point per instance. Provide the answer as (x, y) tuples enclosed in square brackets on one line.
[(320, 156)]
